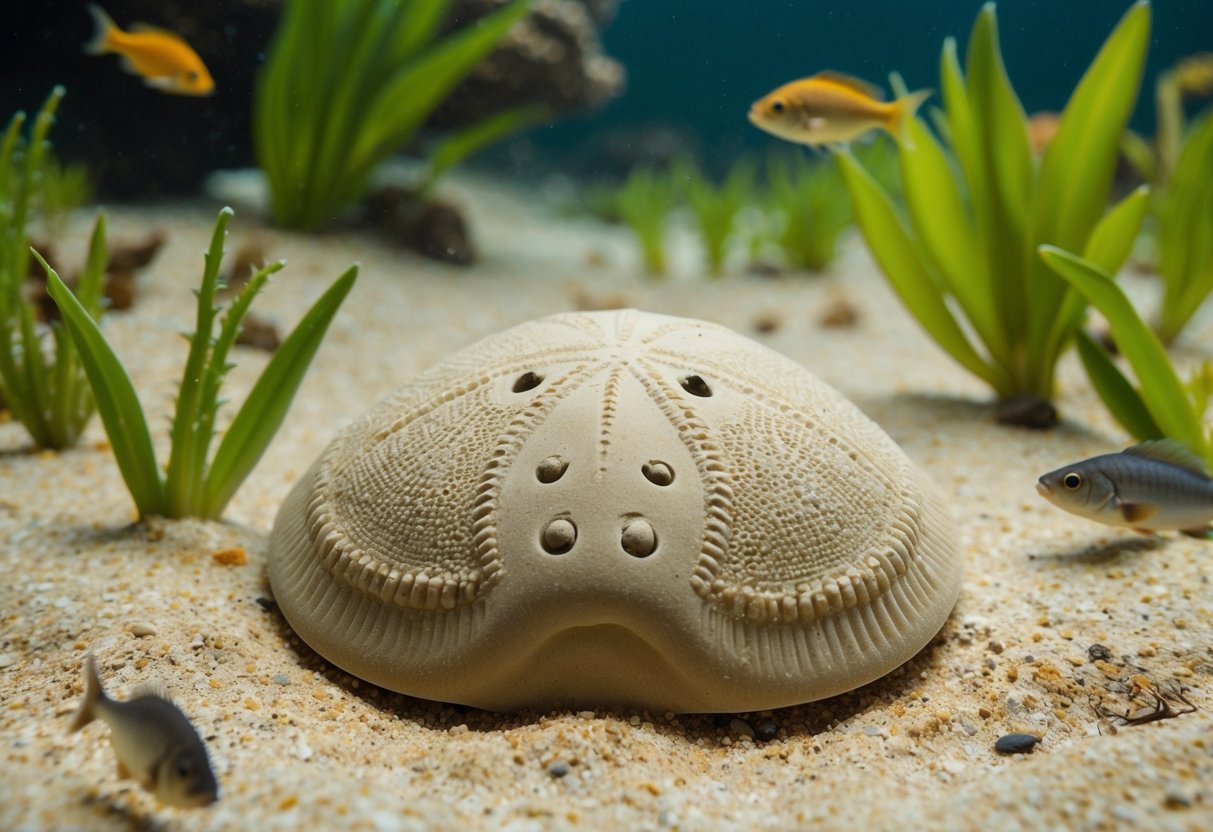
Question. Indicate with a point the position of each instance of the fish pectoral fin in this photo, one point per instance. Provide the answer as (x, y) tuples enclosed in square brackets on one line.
[(1136, 512), (163, 82)]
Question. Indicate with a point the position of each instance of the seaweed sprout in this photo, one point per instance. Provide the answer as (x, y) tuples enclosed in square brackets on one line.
[(644, 202), (347, 84), (1161, 405), (192, 484), (809, 209), (716, 207), (963, 264), (42, 384)]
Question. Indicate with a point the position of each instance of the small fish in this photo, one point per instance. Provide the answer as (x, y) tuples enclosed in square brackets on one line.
[(1155, 485), (162, 58), (156, 744), (831, 108)]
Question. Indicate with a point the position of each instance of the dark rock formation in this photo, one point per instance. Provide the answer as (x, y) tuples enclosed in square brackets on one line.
[(553, 58)]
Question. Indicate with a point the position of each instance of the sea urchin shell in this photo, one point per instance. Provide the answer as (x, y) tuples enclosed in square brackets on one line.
[(615, 508)]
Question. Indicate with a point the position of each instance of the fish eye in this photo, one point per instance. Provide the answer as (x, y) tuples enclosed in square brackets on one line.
[(777, 107), (184, 769), (192, 75), (1071, 481)]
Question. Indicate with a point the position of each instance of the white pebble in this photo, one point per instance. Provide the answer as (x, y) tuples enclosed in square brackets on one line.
[(141, 629), (6, 660)]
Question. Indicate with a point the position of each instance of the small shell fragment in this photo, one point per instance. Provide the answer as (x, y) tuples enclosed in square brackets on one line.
[(615, 508)]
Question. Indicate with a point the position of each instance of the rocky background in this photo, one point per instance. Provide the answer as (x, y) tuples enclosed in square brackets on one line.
[(140, 142)]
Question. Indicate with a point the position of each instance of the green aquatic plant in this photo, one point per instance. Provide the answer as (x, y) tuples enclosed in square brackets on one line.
[(808, 208), (42, 386), (644, 203), (347, 84), (1183, 212), (195, 484), (1161, 406), (716, 207), (962, 258)]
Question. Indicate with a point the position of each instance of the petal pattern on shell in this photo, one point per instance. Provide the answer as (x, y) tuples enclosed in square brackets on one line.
[(615, 508)]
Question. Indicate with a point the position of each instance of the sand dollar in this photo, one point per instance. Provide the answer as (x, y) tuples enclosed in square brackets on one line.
[(615, 508)]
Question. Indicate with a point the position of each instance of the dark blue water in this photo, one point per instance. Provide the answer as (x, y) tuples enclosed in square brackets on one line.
[(699, 64)]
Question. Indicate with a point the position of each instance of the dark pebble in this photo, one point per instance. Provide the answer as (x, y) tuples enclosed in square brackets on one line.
[(558, 769), (766, 730), (267, 604), (1016, 743), (1097, 652)]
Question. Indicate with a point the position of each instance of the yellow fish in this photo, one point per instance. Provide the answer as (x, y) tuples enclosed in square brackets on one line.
[(830, 108), (162, 58)]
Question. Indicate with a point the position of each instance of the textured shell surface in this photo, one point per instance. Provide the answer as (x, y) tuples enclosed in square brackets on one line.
[(615, 508)]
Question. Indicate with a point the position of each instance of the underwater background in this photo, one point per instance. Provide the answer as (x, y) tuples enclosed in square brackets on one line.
[(692, 69)]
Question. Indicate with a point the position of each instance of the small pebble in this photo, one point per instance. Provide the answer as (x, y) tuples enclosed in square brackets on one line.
[(558, 769), (741, 728), (140, 629), (1016, 743), (766, 730), (281, 679), (267, 604), (995, 647), (1097, 652), (6, 660)]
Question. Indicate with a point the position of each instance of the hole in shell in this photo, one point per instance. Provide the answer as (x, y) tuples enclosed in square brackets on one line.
[(551, 469), (559, 536), (657, 472), (638, 538), (696, 386), (527, 381)]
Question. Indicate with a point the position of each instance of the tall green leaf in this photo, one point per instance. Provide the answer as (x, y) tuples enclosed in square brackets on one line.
[(1076, 172), (117, 403), (899, 258), (1162, 391), (263, 411)]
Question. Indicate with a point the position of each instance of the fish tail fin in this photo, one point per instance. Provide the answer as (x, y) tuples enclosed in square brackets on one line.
[(93, 694), (905, 107), (99, 44)]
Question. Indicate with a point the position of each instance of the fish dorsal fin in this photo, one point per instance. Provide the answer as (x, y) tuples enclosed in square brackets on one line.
[(152, 687), (852, 83), (1172, 452), (149, 29)]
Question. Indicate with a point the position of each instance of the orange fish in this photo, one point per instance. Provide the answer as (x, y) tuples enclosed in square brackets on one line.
[(831, 108), (162, 58)]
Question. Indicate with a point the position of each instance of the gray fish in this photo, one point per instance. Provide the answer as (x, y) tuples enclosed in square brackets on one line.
[(1155, 485), (155, 743)]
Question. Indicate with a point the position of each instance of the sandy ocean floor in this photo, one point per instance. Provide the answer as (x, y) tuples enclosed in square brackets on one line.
[(1058, 620)]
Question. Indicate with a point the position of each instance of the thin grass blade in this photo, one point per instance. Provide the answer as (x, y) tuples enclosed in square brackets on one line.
[(187, 457), (117, 403), (266, 406), (1162, 392), (464, 143), (1116, 391), (903, 265), (1076, 172)]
